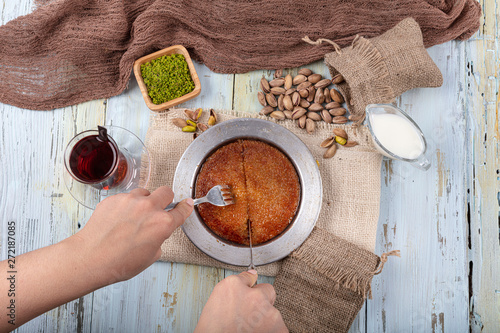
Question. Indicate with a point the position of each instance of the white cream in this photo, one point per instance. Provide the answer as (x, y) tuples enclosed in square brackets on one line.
[(397, 134)]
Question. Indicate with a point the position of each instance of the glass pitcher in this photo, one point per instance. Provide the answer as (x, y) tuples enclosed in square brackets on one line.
[(396, 135)]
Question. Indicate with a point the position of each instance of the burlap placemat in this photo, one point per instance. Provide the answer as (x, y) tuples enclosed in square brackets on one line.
[(351, 184)]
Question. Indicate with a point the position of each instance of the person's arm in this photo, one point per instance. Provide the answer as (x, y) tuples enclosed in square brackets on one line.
[(121, 239), (238, 305)]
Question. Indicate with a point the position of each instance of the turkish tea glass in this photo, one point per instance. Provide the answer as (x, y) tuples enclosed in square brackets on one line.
[(106, 162)]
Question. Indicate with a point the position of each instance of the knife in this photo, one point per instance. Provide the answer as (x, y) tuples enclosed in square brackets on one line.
[(252, 266)]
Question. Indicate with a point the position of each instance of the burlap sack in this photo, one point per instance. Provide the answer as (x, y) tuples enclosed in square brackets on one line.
[(379, 69), (351, 184), (322, 286)]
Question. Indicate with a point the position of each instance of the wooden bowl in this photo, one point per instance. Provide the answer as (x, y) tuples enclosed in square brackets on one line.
[(176, 49)]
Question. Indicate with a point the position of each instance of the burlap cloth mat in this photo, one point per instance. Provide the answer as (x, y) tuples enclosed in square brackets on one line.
[(322, 285), (351, 184)]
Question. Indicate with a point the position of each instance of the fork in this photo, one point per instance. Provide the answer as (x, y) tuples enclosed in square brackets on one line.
[(219, 195)]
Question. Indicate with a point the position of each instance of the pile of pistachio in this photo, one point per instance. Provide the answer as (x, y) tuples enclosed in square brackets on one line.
[(307, 98), (192, 124)]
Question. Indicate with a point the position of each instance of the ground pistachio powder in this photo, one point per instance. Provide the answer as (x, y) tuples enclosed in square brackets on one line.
[(167, 78)]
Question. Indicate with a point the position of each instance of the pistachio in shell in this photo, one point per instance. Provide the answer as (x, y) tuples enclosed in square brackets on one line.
[(304, 85), (336, 96), (339, 120), (337, 112), (319, 97), (271, 100), (212, 120), (278, 115), (278, 73), (325, 115), (332, 105), (314, 78), (298, 112), (313, 115), (277, 82), (304, 103), (340, 132), (295, 98), (288, 114), (288, 81), (310, 125), (299, 79), (328, 98), (312, 93), (327, 142), (266, 110), (202, 127), (330, 152), (323, 84), (337, 79), (190, 114), (315, 107), (179, 122), (287, 102), (350, 143), (198, 113), (302, 121), (290, 91), (278, 91), (264, 85), (305, 71), (281, 106), (262, 98), (304, 93)]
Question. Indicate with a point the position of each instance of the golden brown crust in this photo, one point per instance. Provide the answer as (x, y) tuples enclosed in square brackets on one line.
[(272, 190), (225, 167), (264, 183)]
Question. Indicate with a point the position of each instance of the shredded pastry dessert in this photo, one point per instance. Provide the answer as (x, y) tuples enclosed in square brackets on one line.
[(265, 187)]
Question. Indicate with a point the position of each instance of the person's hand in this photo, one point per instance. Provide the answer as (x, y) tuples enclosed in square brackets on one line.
[(236, 305), (124, 234)]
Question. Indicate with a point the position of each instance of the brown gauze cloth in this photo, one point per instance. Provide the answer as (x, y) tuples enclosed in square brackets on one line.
[(322, 285), (379, 69), (71, 51)]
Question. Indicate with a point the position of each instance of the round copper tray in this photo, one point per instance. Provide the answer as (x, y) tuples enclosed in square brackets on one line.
[(310, 197)]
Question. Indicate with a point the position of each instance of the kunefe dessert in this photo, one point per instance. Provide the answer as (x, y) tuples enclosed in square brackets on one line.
[(265, 187)]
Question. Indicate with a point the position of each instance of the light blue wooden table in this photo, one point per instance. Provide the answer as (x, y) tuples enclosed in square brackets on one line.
[(445, 221)]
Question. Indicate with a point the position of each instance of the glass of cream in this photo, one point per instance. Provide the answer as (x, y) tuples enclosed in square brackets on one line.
[(396, 135)]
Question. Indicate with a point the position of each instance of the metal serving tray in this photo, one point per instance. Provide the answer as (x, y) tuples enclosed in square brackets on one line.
[(310, 197)]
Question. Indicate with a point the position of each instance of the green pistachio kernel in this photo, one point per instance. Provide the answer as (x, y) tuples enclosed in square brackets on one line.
[(167, 78)]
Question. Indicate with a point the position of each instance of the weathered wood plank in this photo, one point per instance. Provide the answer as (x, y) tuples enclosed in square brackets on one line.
[(423, 215), (483, 103), (34, 195)]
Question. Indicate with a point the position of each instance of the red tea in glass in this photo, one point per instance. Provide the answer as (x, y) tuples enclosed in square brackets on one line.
[(95, 160)]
